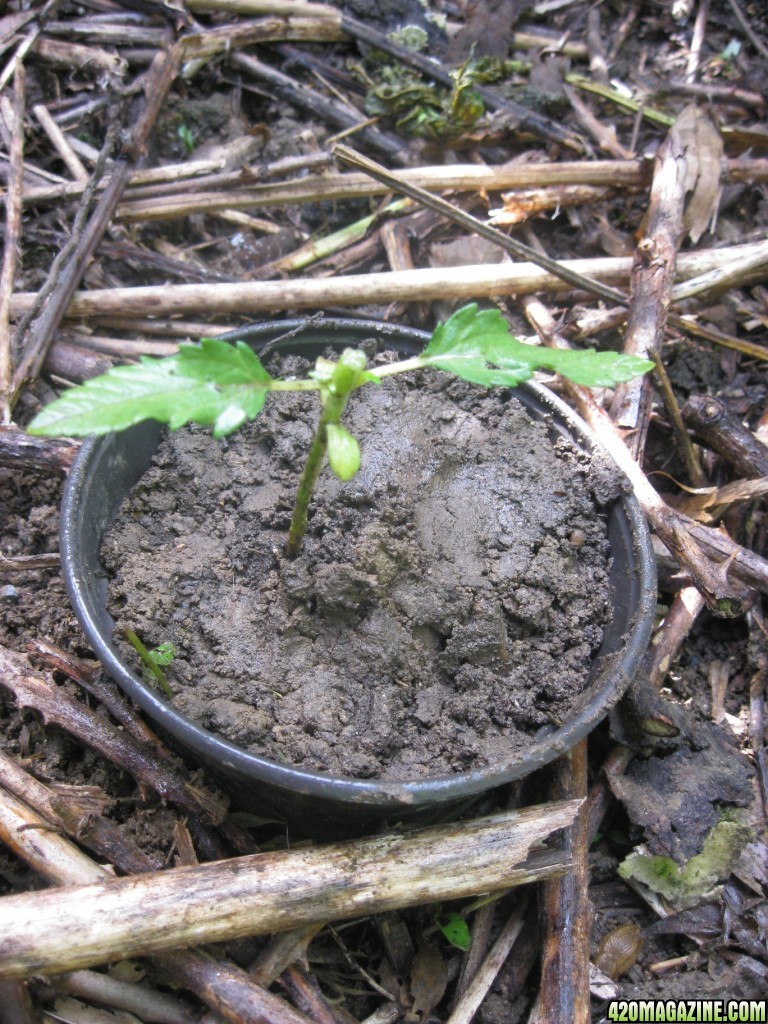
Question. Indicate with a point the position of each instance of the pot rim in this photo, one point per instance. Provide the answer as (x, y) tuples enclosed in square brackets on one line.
[(88, 596)]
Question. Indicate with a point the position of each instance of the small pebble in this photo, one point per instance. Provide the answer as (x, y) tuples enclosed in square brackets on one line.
[(9, 593)]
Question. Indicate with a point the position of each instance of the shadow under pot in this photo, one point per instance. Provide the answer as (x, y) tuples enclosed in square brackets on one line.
[(463, 611)]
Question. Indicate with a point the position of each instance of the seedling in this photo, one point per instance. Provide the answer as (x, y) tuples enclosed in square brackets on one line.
[(455, 929), (153, 661), (223, 385)]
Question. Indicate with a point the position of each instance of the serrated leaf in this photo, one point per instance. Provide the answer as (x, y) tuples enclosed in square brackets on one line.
[(592, 369), (469, 332), (477, 346), (222, 361), (211, 383)]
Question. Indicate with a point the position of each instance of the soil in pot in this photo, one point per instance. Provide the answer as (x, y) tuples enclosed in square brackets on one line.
[(446, 606)]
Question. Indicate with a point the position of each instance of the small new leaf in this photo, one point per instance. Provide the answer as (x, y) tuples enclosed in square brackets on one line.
[(211, 383), (343, 451), (455, 930), (478, 347)]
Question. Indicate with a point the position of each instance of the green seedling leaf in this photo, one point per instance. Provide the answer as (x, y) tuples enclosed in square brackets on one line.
[(164, 653), (213, 383), (186, 136), (343, 452), (590, 368), (477, 346), (151, 671), (455, 930)]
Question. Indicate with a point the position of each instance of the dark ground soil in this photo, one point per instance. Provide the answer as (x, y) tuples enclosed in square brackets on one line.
[(709, 941)]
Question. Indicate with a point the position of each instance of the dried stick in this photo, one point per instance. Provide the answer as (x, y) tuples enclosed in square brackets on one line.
[(88, 193), (697, 40), (102, 689), (467, 282), (482, 923), (565, 909), (731, 275), (145, 1002), (54, 704), (681, 437), (598, 62), (604, 136), (281, 8), (653, 275), (694, 545), (159, 81), (157, 182), (29, 836), (665, 646), (12, 233), (335, 113), (202, 47), (478, 988), (30, 563), (749, 32), (26, 44), (74, 56), (226, 989), (306, 994), (16, 1003), (72, 362), (721, 430), (275, 892), (25, 452), (73, 813), (234, 186), (63, 148), (714, 93)]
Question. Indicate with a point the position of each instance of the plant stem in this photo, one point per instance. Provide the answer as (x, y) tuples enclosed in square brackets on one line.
[(403, 366), (348, 374), (306, 487), (149, 662)]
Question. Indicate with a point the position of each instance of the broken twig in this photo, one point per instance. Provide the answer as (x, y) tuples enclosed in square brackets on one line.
[(273, 892)]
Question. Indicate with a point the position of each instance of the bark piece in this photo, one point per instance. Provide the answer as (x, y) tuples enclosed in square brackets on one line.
[(274, 892), (565, 909), (717, 426)]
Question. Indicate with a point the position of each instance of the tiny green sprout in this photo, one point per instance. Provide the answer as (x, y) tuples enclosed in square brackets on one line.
[(455, 929), (151, 661), (186, 136), (343, 451), (223, 385), (164, 653)]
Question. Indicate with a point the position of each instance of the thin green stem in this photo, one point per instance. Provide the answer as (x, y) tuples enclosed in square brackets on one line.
[(276, 384), (149, 662), (404, 366), (347, 375), (306, 487)]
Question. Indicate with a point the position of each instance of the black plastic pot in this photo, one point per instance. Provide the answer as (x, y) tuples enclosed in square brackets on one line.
[(107, 468)]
